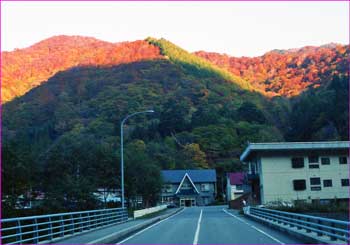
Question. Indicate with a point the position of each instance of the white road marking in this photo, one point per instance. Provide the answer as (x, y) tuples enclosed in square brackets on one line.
[(252, 226), (263, 232), (196, 235), (128, 238)]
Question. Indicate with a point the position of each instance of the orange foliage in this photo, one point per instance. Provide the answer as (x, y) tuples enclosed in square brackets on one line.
[(287, 72), (26, 68)]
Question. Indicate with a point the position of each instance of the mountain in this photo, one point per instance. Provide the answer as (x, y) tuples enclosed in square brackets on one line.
[(62, 134), (24, 69), (286, 72)]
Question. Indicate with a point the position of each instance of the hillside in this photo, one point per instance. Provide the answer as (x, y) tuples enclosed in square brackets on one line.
[(286, 72), (24, 69)]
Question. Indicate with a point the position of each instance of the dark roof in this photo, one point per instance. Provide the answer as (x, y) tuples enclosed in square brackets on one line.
[(236, 178), (175, 176)]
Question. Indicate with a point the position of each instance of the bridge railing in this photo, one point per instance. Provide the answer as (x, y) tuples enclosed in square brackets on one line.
[(44, 228), (334, 229)]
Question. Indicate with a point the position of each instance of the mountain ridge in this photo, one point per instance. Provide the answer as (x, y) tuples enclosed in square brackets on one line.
[(286, 73), (26, 68), (23, 69)]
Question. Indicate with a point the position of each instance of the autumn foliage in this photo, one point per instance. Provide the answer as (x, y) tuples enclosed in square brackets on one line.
[(286, 72), (276, 73), (26, 68)]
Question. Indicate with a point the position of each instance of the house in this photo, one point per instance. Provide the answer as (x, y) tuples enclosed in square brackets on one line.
[(298, 171), (236, 185), (189, 187)]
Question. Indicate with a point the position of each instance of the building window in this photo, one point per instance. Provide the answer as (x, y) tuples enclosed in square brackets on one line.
[(315, 184), (313, 159), (297, 162), (327, 183), (186, 186), (299, 184), (345, 182), (325, 161), (168, 188), (315, 181), (343, 160), (204, 187), (313, 162)]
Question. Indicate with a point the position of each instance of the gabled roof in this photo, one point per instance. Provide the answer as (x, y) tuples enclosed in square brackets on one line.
[(293, 146), (182, 181), (236, 178), (197, 176)]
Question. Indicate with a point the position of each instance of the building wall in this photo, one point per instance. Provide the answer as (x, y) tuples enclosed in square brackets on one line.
[(277, 175), (228, 190), (233, 193)]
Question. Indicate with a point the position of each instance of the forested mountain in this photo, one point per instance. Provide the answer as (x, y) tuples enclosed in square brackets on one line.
[(62, 137), (24, 69), (287, 72)]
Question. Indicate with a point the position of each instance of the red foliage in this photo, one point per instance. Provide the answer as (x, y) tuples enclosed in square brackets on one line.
[(287, 72), (26, 68)]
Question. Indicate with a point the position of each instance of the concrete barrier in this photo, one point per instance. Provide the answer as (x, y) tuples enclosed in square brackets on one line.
[(142, 212)]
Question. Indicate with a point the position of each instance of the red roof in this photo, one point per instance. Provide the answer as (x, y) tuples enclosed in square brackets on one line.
[(236, 178)]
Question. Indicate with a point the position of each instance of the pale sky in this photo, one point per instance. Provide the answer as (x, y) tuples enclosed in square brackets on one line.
[(235, 28)]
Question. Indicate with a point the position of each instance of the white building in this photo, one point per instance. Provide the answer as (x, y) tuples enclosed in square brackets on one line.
[(293, 171)]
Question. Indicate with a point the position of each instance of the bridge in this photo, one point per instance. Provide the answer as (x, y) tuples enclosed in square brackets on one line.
[(194, 225)]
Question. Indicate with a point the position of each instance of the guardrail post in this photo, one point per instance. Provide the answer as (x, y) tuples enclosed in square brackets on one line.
[(298, 223), (290, 222), (50, 230), (81, 223), (62, 225), (89, 221), (125, 214), (278, 221), (333, 238), (307, 230), (72, 223), (19, 232), (36, 238), (319, 228)]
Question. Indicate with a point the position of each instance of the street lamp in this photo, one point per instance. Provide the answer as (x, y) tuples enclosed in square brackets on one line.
[(121, 149)]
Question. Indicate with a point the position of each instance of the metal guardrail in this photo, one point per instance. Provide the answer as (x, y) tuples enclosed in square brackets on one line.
[(332, 228), (45, 228)]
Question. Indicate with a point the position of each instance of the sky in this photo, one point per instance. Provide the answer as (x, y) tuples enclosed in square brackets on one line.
[(234, 28)]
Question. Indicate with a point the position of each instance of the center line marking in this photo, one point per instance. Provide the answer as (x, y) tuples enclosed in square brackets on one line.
[(252, 226), (195, 240), (149, 227)]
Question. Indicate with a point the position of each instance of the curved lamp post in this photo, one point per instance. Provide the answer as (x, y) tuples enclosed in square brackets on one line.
[(121, 149)]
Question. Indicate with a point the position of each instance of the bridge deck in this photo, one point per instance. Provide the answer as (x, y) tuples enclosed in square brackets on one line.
[(95, 235)]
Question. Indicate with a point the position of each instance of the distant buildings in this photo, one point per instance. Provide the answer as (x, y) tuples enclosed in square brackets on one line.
[(106, 195), (236, 185), (188, 187), (298, 171)]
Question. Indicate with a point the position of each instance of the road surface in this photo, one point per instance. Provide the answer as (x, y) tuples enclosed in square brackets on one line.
[(208, 225)]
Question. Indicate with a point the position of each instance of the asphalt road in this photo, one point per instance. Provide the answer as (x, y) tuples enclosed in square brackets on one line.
[(208, 225)]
